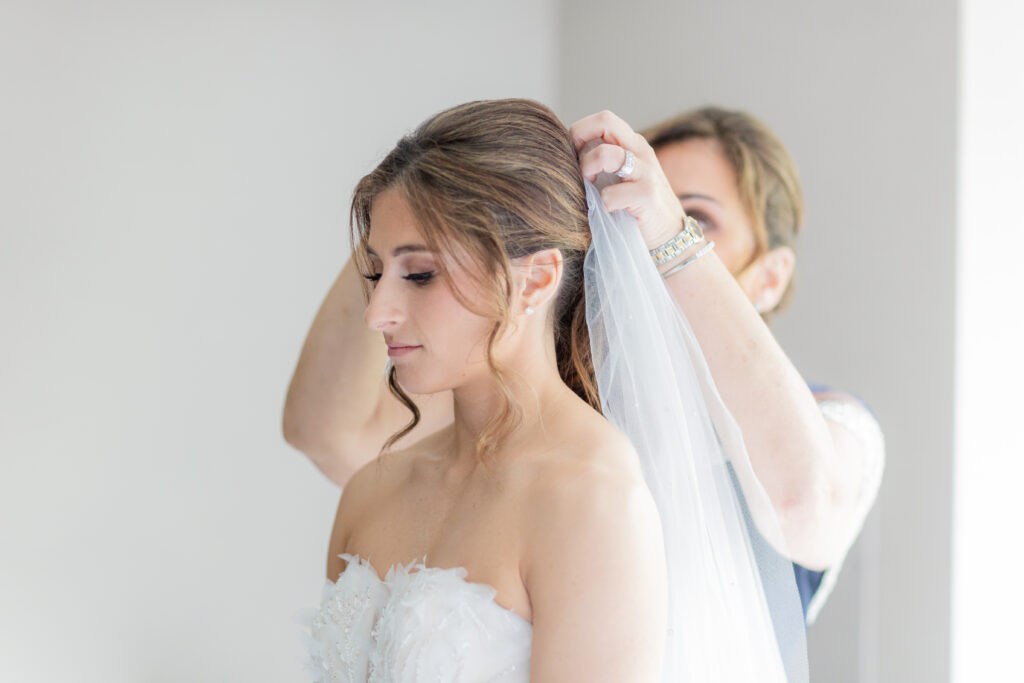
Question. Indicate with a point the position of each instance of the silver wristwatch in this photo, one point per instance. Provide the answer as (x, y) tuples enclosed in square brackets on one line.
[(690, 235)]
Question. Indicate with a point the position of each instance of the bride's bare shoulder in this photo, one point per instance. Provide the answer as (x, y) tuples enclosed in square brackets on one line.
[(389, 471), (587, 462), (589, 504), (586, 444), (375, 484)]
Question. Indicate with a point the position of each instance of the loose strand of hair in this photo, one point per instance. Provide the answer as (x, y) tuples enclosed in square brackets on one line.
[(398, 392), (510, 416)]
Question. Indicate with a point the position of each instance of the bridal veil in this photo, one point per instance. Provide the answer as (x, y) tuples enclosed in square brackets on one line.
[(734, 612)]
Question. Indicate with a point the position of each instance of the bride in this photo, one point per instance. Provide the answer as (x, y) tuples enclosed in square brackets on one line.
[(564, 527)]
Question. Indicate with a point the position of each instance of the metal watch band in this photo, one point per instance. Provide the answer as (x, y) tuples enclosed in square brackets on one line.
[(690, 235)]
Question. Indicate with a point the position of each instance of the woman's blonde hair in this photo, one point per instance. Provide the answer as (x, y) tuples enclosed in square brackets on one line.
[(488, 182), (769, 185)]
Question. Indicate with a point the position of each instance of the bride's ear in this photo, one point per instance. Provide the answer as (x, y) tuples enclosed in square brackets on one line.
[(537, 278)]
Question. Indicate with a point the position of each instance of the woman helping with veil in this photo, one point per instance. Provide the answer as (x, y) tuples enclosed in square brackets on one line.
[(577, 520)]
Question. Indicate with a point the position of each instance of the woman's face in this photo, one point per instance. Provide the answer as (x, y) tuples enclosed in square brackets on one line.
[(706, 184), (433, 340)]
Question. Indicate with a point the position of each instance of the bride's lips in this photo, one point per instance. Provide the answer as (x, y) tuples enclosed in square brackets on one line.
[(396, 350)]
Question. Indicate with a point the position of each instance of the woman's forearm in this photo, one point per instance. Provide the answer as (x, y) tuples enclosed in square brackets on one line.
[(338, 383), (339, 410), (788, 440)]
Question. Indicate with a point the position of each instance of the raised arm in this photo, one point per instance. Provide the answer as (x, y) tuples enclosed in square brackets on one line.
[(339, 411), (811, 479), (811, 472)]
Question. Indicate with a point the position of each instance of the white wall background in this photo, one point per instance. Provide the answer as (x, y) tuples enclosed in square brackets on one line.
[(174, 181), (988, 590)]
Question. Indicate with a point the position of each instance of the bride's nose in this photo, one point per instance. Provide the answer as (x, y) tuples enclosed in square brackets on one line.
[(385, 309)]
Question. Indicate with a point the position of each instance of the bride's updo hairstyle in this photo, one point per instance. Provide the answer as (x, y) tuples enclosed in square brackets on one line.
[(488, 182)]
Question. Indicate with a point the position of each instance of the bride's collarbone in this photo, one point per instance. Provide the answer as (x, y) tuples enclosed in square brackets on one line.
[(477, 526), (481, 522), (417, 521)]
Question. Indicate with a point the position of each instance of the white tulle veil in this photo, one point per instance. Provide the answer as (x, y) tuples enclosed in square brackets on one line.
[(734, 611)]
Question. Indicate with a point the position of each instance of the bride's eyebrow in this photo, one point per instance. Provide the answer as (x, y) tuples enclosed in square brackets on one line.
[(398, 251)]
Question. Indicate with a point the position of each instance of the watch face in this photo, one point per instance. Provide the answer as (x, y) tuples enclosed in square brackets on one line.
[(693, 227)]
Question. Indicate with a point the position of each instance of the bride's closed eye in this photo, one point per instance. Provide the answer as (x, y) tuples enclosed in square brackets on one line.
[(420, 279)]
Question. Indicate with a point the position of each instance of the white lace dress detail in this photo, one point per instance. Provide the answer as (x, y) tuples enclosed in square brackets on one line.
[(418, 624)]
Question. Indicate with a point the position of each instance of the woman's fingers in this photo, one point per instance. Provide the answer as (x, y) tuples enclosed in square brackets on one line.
[(658, 220), (607, 158), (631, 197), (604, 125), (601, 141)]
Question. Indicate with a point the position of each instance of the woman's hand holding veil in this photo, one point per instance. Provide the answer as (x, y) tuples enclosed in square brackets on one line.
[(602, 141)]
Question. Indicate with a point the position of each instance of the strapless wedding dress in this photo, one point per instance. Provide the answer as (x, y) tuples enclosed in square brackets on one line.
[(418, 624)]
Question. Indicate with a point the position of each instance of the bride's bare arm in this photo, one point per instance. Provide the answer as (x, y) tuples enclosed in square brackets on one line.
[(595, 574), (339, 411)]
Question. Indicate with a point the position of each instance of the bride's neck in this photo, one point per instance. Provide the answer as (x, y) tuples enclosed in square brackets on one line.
[(537, 389)]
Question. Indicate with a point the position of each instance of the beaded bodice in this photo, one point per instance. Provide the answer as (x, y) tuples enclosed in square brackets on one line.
[(417, 624)]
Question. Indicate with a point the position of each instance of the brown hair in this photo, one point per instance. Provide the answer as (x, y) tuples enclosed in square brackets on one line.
[(488, 182), (769, 186)]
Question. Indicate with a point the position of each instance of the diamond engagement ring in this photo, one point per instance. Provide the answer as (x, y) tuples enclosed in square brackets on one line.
[(628, 165)]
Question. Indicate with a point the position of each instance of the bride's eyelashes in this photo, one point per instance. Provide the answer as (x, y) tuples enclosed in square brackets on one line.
[(419, 279)]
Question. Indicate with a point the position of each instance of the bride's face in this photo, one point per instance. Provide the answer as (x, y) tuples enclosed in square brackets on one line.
[(434, 341)]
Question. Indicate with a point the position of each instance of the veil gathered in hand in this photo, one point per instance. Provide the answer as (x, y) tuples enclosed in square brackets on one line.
[(734, 613)]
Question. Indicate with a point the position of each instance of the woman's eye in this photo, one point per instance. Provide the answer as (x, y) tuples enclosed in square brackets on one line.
[(420, 278), (702, 220), (372, 277)]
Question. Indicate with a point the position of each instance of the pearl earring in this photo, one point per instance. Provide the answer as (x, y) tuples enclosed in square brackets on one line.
[(529, 310)]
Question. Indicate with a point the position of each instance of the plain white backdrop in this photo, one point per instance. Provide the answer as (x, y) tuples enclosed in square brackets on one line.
[(988, 593), (174, 187)]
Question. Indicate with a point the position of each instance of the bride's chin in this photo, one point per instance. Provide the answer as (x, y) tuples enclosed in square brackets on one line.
[(427, 379), (414, 384)]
